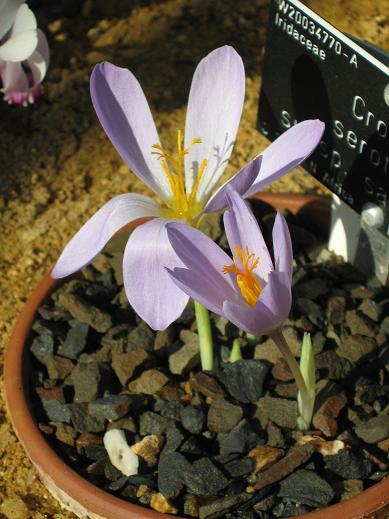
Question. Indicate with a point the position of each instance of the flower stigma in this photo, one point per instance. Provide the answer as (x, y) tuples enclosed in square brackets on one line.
[(247, 281), (182, 205)]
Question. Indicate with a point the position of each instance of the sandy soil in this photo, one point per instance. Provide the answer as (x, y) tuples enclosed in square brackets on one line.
[(58, 167)]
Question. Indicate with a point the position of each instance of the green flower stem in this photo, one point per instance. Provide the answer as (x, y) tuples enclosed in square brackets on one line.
[(253, 339), (205, 336), (305, 395), (236, 352)]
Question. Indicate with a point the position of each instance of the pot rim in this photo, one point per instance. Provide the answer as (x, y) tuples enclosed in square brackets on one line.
[(73, 486)]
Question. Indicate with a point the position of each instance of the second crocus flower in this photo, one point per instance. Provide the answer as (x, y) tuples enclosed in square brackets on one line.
[(248, 289)]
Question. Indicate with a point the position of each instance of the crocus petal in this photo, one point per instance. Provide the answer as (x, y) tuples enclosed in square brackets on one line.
[(8, 10), (248, 320), (276, 296), (270, 311), (214, 110), (39, 59), (206, 259), (242, 230), (282, 246), (198, 288), (23, 38), (149, 288), (240, 182), (125, 115), (92, 237), (288, 151)]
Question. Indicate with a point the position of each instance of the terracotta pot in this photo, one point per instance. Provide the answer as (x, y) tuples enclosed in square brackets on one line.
[(76, 493)]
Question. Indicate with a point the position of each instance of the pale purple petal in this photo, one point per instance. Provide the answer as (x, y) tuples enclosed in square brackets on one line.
[(242, 230), (276, 296), (256, 323), (195, 248), (271, 310), (8, 10), (149, 288), (125, 115), (282, 246), (96, 232), (206, 259), (240, 182), (23, 38), (214, 110), (198, 288), (287, 151)]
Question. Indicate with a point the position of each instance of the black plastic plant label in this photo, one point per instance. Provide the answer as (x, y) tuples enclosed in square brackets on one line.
[(312, 70)]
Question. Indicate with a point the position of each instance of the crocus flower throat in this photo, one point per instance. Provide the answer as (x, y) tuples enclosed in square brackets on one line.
[(182, 204), (245, 278)]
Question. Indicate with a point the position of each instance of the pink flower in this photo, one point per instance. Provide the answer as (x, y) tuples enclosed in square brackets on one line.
[(24, 53)]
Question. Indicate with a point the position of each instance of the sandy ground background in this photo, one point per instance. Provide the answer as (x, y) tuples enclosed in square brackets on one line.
[(57, 166)]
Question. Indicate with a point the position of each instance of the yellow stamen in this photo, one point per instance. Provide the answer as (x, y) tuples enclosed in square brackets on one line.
[(247, 282), (182, 204)]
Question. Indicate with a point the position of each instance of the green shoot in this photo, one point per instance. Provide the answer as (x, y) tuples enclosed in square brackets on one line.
[(307, 369)]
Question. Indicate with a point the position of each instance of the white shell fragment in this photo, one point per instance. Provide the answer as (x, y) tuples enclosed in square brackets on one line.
[(120, 453), (326, 448)]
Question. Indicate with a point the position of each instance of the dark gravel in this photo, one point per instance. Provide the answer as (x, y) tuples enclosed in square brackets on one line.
[(98, 367)]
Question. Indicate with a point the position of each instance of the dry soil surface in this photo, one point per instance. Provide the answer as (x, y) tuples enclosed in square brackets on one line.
[(58, 167)]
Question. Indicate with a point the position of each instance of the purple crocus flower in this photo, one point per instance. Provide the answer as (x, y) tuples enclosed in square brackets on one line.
[(184, 181), (24, 53), (248, 289)]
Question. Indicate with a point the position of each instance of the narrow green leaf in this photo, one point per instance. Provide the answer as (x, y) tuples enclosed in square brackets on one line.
[(307, 369)]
